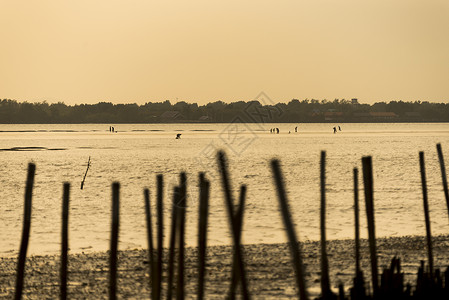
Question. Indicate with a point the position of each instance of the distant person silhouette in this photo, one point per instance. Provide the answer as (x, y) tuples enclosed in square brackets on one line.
[(339, 129), (296, 129), (110, 128), (335, 130), (271, 130), (178, 136), (277, 130), (113, 129)]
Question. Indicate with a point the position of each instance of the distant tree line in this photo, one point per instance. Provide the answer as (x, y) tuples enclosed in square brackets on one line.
[(295, 111)]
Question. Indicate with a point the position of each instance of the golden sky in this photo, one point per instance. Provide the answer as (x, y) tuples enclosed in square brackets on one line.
[(86, 51)]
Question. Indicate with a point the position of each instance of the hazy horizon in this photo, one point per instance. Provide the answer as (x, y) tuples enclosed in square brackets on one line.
[(205, 51)]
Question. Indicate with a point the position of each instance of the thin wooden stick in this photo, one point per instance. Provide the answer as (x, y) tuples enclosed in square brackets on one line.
[(172, 246), (239, 220), (157, 283), (65, 239), (85, 174), (443, 175), (426, 211), (25, 230), (325, 282), (181, 230), (356, 221), (146, 194), (204, 186), (114, 241), (290, 229), (369, 204), (230, 209)]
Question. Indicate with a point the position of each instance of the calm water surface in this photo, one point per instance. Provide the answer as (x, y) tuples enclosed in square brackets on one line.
[(138, 152)]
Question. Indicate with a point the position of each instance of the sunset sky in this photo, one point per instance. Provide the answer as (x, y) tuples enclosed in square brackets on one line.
[(86, 51)]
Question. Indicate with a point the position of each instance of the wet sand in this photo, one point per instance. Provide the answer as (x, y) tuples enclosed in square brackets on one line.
[(269, 269)]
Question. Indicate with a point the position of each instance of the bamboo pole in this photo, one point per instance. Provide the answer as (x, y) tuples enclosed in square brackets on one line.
[(325, 282), (146, 194), (157, 283), (65, 239), (204, 186), (25, 230), (114, 241), (369, 204), (239, 220), (230, 209), (173, 233), (426, 211), (443, 175), (85, 174), (356, 221), (181, 230), (290, 229)]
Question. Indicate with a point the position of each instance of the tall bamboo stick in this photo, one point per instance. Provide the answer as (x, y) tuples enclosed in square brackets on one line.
[(65, 239), (290, 229), (146, 194), (204, 186), (25, 230), (239, 220), (369, 204), (443, 175), (356, 221), (173, 233), (325, 282), (157, 283), (426, 211), (181, 236), (114, 241), (230, 209)]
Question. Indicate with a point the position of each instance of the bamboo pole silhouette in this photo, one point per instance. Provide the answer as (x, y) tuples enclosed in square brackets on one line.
[(443, 175), (239, 221), (204, 186), (181, 230), (25, 230), (426, 212), (146, 194), (358, 289), (369, 204), (65, 239), (356, 221), (290, 229), (173, 233), (157, 283), (85, 174), (325, 282), (114, 241), (230, 209)]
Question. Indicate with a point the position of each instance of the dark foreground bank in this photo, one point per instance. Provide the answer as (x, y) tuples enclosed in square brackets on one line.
[(269, 269)]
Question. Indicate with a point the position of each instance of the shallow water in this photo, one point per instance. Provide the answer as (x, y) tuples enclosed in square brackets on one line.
[(138, 152)]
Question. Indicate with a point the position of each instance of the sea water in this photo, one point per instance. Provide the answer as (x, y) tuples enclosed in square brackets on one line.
[(136, 153)]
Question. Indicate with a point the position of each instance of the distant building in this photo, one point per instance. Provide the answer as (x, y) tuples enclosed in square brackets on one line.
[(333, 116), (374, 116), (171, 116), (383, 115), (354, 101), (315, 112)]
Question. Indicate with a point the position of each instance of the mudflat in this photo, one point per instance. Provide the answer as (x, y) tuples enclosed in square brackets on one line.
[(269, 269)]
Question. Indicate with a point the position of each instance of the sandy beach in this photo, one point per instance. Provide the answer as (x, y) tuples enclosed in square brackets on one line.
[(269, 270)]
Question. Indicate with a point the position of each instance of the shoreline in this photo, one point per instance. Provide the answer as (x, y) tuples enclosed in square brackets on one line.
[(269, 269)]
